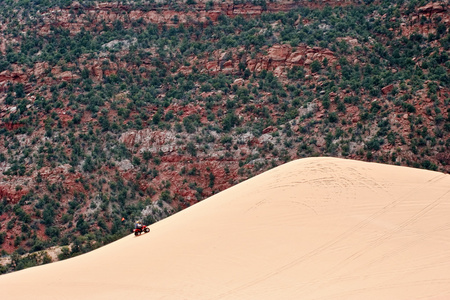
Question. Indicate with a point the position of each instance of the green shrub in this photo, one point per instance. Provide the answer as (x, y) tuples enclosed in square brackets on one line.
[(2, 237)]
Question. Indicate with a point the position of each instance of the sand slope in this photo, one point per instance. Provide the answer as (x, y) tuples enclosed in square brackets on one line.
[(317, 228)]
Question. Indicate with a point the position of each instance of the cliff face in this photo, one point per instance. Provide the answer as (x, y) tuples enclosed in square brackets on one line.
[(120, 111), (279, 59), (78, 16)]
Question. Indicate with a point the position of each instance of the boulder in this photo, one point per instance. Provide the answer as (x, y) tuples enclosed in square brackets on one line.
[(387, 89)]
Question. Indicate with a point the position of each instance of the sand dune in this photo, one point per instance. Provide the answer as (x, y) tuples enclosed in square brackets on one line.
[(317, 228)]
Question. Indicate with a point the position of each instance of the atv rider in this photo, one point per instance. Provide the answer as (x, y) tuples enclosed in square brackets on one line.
[(138, 225)]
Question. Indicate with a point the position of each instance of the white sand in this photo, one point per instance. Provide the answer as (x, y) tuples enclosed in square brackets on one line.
[(318, 228)]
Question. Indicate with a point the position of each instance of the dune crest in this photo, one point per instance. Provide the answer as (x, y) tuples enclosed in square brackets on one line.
[(316, 228)]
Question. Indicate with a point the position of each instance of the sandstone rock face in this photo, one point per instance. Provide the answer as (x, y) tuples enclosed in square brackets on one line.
[(279, 53), (387, 89), (78, 16), (39, 68), (280, 58), (433, 8), (268, 129), (97, 71), (11, 193), (66, 76), (296, 58), (125, 165), (15, 76), (149, 140), (239, 82)]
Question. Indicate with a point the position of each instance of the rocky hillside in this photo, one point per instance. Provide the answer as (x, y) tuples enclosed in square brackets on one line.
[(111, 111)]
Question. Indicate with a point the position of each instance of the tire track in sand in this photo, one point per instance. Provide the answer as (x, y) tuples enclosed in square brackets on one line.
[(330, 243)]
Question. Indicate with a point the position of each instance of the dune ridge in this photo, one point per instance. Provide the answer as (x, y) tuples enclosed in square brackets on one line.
[(315, 228)]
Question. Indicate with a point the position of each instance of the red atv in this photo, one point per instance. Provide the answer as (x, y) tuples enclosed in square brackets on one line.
[(138, 231)]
